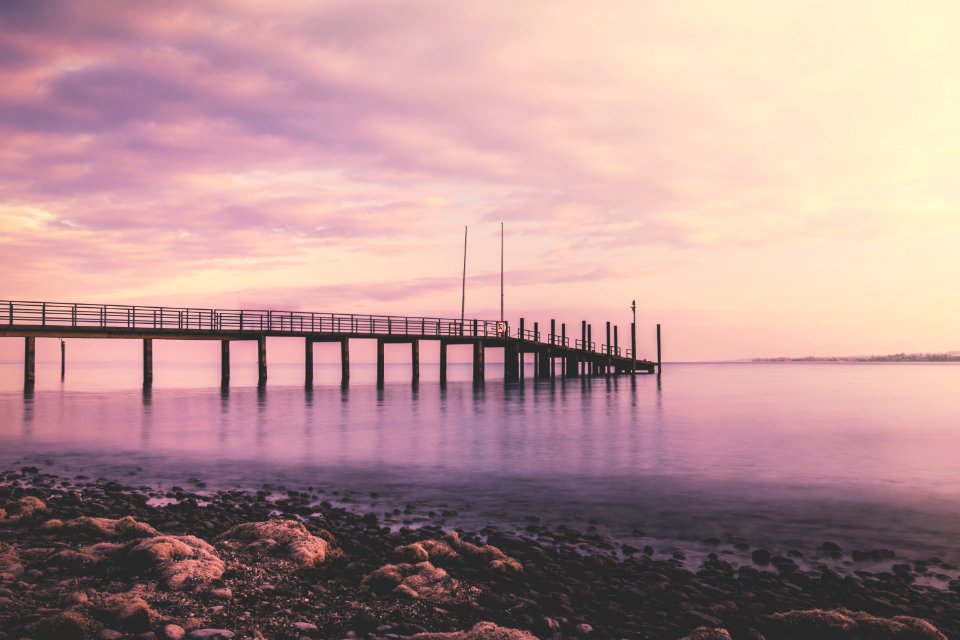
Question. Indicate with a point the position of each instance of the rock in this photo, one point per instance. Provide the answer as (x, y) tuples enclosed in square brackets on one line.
[(180, 561), (210, 634), (108, 634), (222, 594), (68, 625), (760, 556), (104, 528), (10, 565), (86, 557), (831, 547), (453, 549), (25, 508), (706, 633), (481, 631), (843, 623), (72, 598), (173, 632), (286, 538), (305, 627), (421, 580), (131, 612), (583, 629)]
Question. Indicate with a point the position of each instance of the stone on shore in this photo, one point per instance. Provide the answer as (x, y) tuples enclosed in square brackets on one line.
[(845, 624), (69, 625), (481, 631), (180, 561), (452, 549), (706, 633), (10, 566), (421, 580), (25, 508), (126, 528), (131, 612), (285, 538)]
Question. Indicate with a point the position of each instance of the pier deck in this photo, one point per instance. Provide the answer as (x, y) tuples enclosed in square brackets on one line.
[(31, 320)]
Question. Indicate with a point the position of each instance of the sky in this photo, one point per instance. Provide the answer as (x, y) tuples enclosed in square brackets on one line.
[(765, 179)]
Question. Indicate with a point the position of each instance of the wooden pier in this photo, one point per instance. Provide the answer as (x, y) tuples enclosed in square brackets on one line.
[(32, 320)]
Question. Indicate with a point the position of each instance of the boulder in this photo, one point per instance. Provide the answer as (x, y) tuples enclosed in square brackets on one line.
[(68, 625), (481, 631), (842, 624), (285, 538), (706, 633), (420, 580), (25, 508), (180, 561), (131, 612), (452, 549), (104, 528)]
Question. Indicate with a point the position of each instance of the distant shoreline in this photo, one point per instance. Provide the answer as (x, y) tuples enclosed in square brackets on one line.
[(950, 356)]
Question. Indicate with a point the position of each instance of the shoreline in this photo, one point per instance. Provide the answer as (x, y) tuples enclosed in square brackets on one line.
[(547, 581)]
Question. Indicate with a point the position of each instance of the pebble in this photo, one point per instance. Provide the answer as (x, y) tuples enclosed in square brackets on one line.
[(173, 632), (305, 627), (108, 634), (223, 594), (210, 634)]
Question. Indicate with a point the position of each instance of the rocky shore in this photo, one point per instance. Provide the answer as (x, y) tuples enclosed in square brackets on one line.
[(92, 558)]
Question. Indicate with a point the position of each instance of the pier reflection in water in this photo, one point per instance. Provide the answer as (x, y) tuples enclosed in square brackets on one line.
[(788, 453)]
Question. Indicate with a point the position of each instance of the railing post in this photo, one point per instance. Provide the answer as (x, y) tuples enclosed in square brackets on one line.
[(43, 314), (11, 314)]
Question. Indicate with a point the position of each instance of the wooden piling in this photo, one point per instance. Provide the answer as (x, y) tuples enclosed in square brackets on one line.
[(511, 362), (262, 361), (415, 361), (478, 367), (308, 362), (633, 348), (224, 364), (147, 363), (659, 362), (380, 363), (29, 363), (344, 362), (443, 362)]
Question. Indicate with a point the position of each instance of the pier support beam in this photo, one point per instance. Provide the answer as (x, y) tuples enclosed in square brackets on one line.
[(443, 362), (633, 348), (63, 359), (544, 363), (511, 362), (478, 368), (659, 364), (29, 363), (380, 362), (147, 363), (224, 364), (415, 361), (345, 362), (308, 362), (262, 361)]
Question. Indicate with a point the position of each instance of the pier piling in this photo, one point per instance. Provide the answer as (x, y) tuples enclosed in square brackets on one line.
[(478, 366), (345, 362), (380, 362), (63, 359), (308, 362), (659, 362), (443, 362), (147, 363), (415, 361), (262, 361), (224, 364), (29, 363)]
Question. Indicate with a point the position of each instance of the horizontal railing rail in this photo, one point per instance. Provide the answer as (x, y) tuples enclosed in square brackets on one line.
[(106, 316), (585, 345)]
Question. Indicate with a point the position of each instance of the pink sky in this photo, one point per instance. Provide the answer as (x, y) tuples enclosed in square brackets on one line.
[(764, 178)]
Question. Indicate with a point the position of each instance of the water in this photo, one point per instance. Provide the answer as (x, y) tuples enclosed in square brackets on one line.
[(785, 455)]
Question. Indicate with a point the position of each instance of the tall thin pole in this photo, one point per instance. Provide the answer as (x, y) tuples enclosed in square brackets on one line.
[(463, 290), (501, 272)]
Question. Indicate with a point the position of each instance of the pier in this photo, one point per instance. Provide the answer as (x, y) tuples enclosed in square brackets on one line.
[(553, 352)]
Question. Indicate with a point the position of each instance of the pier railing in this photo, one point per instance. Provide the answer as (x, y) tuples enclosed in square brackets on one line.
[(104, 316)]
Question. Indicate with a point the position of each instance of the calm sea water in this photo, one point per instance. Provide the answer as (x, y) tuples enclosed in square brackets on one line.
[(785, 455)]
